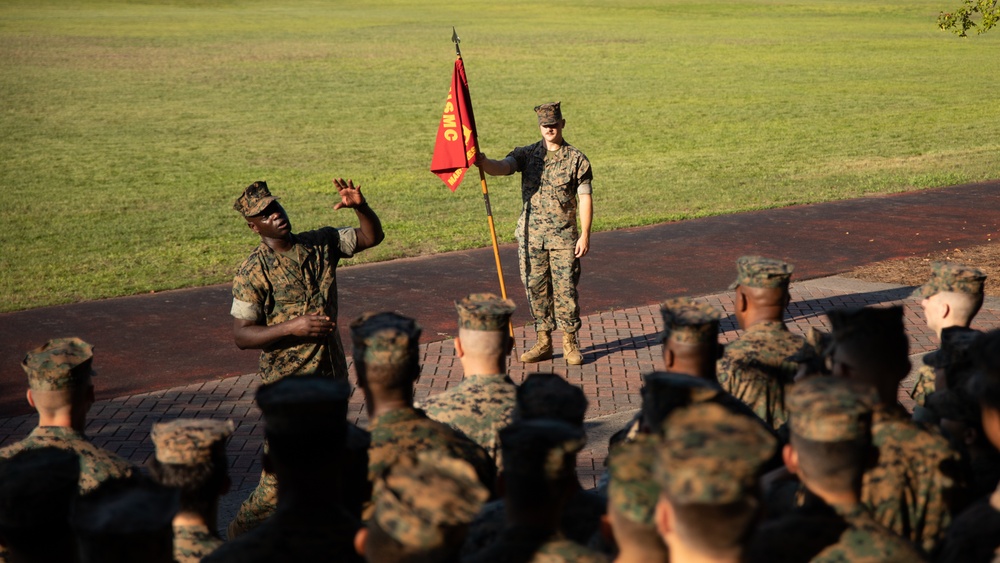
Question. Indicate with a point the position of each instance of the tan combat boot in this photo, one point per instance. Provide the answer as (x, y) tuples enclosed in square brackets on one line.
[(542, 349), (571, 350)]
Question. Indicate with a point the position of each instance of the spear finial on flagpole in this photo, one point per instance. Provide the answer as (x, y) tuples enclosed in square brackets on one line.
[(456, 40)]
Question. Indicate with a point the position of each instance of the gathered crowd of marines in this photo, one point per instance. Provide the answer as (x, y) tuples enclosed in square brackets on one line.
[(775, 447)]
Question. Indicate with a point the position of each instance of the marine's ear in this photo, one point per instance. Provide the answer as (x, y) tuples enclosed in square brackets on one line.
[(360, 537), (791, 458)]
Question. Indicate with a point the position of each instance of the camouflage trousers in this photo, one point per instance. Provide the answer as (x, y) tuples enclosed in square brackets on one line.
[(256, 508), (550, 276)]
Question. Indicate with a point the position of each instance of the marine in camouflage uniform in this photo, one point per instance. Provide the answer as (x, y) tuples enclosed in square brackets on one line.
[(424, 509), (913, 489), (830, 428), (539, 464), (710, 461), (288, 285), (306, 426), (958, 287), (482, 403), (690, 340), (556, 182), (190, 455), (285, 302), (386, 357), (754, 367), (408, 431), (545, 396), (59, 372)]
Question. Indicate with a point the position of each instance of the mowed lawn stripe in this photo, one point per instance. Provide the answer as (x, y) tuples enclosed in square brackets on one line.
[(128, 128)]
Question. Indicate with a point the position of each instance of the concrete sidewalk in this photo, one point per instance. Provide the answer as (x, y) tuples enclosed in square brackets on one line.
[(619, 346)]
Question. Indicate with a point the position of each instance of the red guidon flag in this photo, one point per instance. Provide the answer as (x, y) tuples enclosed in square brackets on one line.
[(455, 147)]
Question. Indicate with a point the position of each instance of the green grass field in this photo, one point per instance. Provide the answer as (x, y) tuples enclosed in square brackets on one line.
[(129, 127)]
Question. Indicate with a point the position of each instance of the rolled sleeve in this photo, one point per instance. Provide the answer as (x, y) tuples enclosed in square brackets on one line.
[(347, 241), (584, 189), (512, 163), (246, 311)]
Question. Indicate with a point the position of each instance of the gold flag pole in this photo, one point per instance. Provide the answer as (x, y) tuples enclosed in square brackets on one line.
[(486, 200)]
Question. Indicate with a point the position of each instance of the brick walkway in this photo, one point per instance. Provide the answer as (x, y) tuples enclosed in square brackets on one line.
[(618, 347)]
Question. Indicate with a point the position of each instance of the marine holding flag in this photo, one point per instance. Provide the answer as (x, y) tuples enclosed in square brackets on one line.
[(555, 183)]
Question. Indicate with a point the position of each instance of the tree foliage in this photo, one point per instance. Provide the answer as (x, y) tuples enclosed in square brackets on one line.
[(963, 19)]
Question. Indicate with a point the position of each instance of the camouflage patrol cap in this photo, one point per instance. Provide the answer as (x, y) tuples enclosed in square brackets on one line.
[(689, 321), (484, 311), (541, 448), (632, 488), (427, 502), (385, 339), (188, 441), (547, 395), (758, 271), (549, 114), (664, 392), (830, 409), (294, 406), (51, 367), (712, 456), (37, 487), (948, 276), (254, 199)]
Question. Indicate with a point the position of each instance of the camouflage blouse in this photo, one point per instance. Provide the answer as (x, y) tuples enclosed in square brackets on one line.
[(866, 541), (754, 370), (191, 543), (479, 406), (97, 465), (408, 431), (550, 183), (913, 488), (273, 287)]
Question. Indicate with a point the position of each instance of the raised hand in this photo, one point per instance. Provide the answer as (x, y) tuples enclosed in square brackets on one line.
[(350, 195)]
